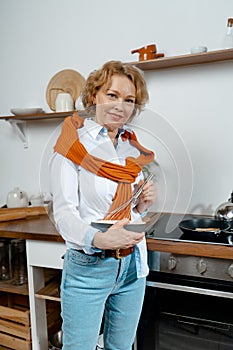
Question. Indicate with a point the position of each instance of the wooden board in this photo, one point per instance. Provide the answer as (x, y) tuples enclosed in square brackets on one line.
[(8, 214), (16, 329), (15, 315), (13, 343), (68, 81)]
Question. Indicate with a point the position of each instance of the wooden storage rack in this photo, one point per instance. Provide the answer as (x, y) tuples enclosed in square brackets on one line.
[(15, 326), (15, 329)]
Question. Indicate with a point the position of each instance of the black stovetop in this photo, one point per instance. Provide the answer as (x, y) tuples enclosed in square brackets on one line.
[(166, 227)]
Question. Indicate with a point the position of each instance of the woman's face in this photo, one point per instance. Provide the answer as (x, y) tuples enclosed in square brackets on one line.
[(115, 104)]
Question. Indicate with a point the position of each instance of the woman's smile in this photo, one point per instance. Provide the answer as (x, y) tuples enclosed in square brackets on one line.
[(116, 116)]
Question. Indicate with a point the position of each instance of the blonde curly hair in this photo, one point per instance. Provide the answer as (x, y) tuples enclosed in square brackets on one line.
[(102, 77)]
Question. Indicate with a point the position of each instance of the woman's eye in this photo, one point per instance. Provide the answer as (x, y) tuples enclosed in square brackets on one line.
[(111, 95), (129, 100)]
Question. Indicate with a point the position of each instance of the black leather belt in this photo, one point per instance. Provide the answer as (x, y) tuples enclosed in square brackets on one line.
[(117, 254)]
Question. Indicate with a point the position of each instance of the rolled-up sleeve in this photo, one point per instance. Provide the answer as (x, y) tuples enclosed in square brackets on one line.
[(64, 184)]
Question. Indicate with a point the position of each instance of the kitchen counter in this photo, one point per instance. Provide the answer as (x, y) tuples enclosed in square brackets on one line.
[(165, 236), (42, 228), (39, 228), (45, 248)]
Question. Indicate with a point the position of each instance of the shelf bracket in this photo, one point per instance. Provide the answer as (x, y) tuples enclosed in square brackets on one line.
[(20, 128)]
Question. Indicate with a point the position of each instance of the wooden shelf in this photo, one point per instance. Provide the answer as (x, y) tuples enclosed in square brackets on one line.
[(51, 291), (31, 117), (43, 116), (52, 280), (185, 60), (7, 286), (19, 122)]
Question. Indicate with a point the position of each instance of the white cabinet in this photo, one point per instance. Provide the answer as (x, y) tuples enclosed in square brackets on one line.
[(40, 255)]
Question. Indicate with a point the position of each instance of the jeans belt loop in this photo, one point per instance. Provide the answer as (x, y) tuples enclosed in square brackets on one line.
[(102, 254)]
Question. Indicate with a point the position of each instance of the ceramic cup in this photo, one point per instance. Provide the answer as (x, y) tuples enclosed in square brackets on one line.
[(198, 49), (37, 200), (64, 102)]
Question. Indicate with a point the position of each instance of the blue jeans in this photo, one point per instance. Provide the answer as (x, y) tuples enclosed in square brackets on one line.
[(92, 287)]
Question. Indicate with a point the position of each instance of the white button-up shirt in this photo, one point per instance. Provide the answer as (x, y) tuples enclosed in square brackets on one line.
[(80, 196)]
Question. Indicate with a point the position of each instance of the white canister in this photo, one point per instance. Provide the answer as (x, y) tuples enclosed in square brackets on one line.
[(64, 102)]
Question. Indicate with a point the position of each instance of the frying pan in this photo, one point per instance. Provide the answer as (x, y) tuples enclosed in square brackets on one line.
[(205, 229)]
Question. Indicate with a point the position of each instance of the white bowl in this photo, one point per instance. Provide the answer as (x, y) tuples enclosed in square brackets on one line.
[(26, 111), (103, 225), (198, 49)]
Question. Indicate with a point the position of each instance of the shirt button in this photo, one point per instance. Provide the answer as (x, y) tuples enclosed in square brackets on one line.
[(104, 131)]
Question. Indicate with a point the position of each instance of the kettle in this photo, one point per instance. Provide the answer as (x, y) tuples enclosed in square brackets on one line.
[(225, 211), (17, 198)]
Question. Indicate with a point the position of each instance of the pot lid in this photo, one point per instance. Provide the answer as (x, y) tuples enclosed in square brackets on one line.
[(67, 80)]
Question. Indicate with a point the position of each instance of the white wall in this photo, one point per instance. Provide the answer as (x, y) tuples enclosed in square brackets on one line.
[(189, 119)]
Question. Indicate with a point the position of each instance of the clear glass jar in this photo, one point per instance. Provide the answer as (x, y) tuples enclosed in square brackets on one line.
[(19, 261), (5, 259)]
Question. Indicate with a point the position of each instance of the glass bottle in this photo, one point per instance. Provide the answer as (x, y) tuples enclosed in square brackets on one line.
[(228, 39)]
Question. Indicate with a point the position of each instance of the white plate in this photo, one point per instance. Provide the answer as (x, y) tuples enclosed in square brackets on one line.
[(103, 225), (25, 111)]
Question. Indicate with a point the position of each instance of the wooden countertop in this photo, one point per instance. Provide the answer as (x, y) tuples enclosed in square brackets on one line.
[(42, 228), (160, 242), (39, 228), (191, 248)]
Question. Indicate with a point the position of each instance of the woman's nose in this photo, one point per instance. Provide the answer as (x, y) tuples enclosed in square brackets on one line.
[(119, 105)]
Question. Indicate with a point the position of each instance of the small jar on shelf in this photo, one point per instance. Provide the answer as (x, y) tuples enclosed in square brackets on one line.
[(19, 261), (5, 259)]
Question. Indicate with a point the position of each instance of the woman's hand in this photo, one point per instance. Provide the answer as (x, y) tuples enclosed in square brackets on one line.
[(147, 197), (117, 237)]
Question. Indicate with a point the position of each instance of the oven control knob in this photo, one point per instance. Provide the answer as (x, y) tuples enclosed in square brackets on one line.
[(172, 263), (201, 266), (230, 270)]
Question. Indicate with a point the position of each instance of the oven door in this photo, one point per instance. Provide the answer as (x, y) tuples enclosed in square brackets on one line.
[(180, 320)]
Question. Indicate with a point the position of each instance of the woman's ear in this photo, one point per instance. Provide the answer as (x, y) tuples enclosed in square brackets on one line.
[(94, 99)]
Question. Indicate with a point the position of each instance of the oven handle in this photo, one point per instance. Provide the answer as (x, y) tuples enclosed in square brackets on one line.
[(209, 324), (217, 293)]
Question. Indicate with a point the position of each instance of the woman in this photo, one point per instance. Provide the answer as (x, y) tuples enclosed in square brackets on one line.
[(96, 165)]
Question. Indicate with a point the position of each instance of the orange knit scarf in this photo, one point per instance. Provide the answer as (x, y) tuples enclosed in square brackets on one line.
[(69, 146)]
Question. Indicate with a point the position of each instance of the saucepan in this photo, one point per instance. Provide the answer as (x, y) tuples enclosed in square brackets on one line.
[(56, 341), (206, 230)]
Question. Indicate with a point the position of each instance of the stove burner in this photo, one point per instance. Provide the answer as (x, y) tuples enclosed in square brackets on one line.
[(158, 230), (222, 238)]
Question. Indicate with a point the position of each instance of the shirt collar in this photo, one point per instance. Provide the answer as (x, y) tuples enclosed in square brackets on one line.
[(92, 127), (95, 129)]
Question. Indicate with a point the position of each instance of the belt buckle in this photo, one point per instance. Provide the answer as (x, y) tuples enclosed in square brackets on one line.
[(118, 254)]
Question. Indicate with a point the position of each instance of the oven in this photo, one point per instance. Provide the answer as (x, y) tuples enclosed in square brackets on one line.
[(188, 302)]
